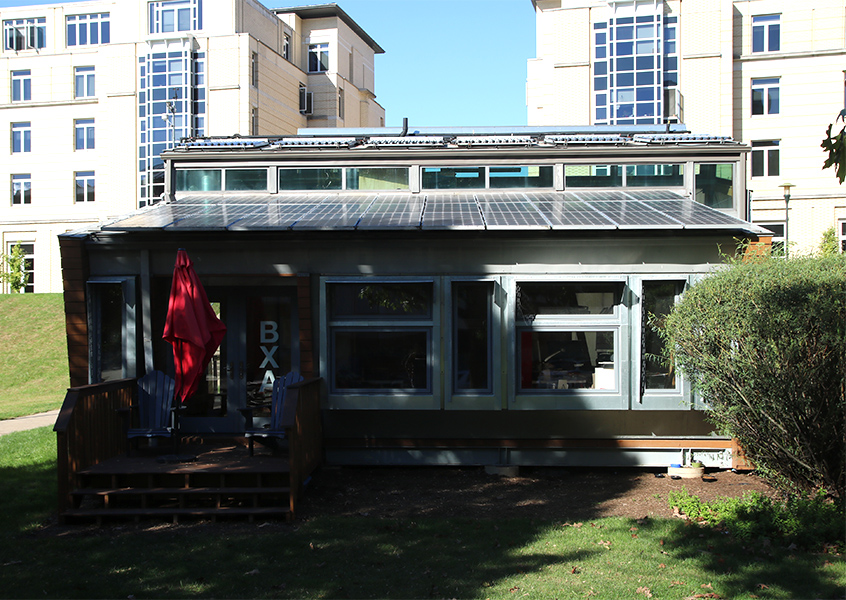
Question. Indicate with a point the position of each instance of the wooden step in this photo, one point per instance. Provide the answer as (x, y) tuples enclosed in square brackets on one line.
[(172, 491), (100, 514)]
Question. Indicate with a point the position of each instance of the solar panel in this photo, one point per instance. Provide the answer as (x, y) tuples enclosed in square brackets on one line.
[(694, 215), (510, 211), (340, 211), (655, 195), (393, 211), (564, 212), (452, 211), (632, 214), (281, 214)]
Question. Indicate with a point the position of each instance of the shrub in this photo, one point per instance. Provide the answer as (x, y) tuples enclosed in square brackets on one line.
[(764, 342)]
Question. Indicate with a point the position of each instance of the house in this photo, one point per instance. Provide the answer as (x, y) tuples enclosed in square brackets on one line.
[(467, 296), (767, 73), (94, 92)]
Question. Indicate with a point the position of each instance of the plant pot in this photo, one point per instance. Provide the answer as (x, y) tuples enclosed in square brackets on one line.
[(686, 472)]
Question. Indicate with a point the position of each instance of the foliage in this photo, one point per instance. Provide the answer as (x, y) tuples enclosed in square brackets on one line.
[(34, 364), (835, 146), (764, 342), (829, 244), (809, 521), (13, 269)]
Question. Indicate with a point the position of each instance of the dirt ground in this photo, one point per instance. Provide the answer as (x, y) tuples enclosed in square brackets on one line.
[(546, 493)]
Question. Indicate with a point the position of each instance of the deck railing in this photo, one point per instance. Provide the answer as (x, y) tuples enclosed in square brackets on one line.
[(89, 431), (303, 429)]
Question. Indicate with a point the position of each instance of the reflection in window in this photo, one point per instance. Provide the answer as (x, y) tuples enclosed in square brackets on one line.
[(198, 180), (521, 177), (377, 178), (715, 185), (380, 300), (593, 175), (563, 360), (472, 331), (310, 179), (242, 180), (567, 298), (379, 360), (658, 299), (442, 178), (318, 58), (654, 175)]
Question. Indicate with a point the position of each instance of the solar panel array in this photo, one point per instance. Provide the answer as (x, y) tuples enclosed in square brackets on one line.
[(571, 210)]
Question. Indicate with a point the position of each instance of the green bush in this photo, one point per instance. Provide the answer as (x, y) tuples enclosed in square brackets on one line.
[(805, 521), (764, 343)]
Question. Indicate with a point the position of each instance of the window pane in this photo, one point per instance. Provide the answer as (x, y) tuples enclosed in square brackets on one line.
[(521, 177), (199, 180), (561, 360), (654, 175), (757, 102), (310, 179), (757, 163), (381, 360), (111, 331), (447, 178), (383, 300), (471, 302), (377, 178), (714, 185), (568, 298), (593, 175), (246, 179), (772, 101), (658, 299)]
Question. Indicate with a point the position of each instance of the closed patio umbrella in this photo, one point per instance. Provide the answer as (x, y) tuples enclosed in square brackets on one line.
[(192, 327)]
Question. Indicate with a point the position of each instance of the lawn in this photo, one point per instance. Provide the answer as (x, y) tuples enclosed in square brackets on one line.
[(365, 557), (34, 380)]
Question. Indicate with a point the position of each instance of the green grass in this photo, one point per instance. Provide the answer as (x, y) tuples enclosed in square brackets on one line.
[(361, 557), (34, 361)]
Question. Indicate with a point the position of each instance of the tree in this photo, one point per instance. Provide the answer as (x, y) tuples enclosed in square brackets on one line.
[(835, 145), (829, 244), (764, 343), (13, 269)]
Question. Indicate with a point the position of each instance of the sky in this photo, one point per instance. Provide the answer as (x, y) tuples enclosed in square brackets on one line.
[(446, 62)]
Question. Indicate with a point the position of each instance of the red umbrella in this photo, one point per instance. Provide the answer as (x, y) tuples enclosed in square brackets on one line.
[(192, 327)]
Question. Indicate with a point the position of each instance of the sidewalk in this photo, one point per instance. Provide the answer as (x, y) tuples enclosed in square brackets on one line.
[(29, 422)]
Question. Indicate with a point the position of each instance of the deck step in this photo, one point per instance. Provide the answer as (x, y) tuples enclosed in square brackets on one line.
[(174, 491), (100, 514)]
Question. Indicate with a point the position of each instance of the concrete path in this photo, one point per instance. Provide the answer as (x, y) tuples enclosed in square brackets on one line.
[(29, 422)]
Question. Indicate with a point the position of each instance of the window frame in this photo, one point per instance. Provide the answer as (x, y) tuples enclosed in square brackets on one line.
[(88, 23), (28, 248), (768, 29), (30, 31), (84, 82), (88, 186), (87, 141), (318, 57), (22, 80), (769, 90), (767, 153), (158, 21), (21, 134), (22, 182), (128, 318)]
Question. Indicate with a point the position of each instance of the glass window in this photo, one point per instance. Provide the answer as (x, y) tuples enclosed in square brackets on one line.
[(84, 186), (715, 185), (448, 178), (286, 47), (655, 175), (84, 134), (778, 237), (21, 189), (310, 179), (85, 30), (21, 86), (21, 137), (593, 175), (377, 178), (472, 335), (765, 158), (318, 58), (567, 298), (306, 100), (393, 350), (765, 96), (657, 300), (766, 33), (28, 251), (198, 180), (241, 180), (169, 16), (521, 177), (254, 69), (567, 359), (842, 235), (84, 82), (25, 34)]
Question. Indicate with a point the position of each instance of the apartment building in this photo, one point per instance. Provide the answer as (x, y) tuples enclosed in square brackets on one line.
[(95, 91), (768, 73)]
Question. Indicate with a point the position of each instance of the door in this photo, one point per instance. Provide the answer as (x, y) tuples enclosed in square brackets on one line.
[(261, 344)]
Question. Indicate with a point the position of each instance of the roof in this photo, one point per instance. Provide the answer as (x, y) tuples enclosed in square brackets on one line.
[(585, 210), (320, 11)]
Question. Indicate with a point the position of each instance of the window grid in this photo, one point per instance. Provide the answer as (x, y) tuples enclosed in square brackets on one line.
[(635, 58), (84, 186), (170, 16), (765, 96), (765, 158), (84, 134), (21, 137), (766, 33), (21, 86), (318, 58), (25, 34), (21, 189), (172, 104), (88, 30), (84, 82)]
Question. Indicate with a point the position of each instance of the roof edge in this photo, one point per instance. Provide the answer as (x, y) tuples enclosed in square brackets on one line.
[(319, 11)]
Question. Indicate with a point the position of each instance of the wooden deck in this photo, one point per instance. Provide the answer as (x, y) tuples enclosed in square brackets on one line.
[(98, 481)]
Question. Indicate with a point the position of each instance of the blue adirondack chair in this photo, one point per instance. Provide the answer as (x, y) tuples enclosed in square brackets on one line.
[(274, 429), (156, 414)]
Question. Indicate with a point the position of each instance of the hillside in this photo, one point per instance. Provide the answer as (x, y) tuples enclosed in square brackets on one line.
[(34, 360)]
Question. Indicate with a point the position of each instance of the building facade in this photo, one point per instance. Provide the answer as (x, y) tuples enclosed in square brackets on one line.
[(96, 91), (767, 73), (466, 296)]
